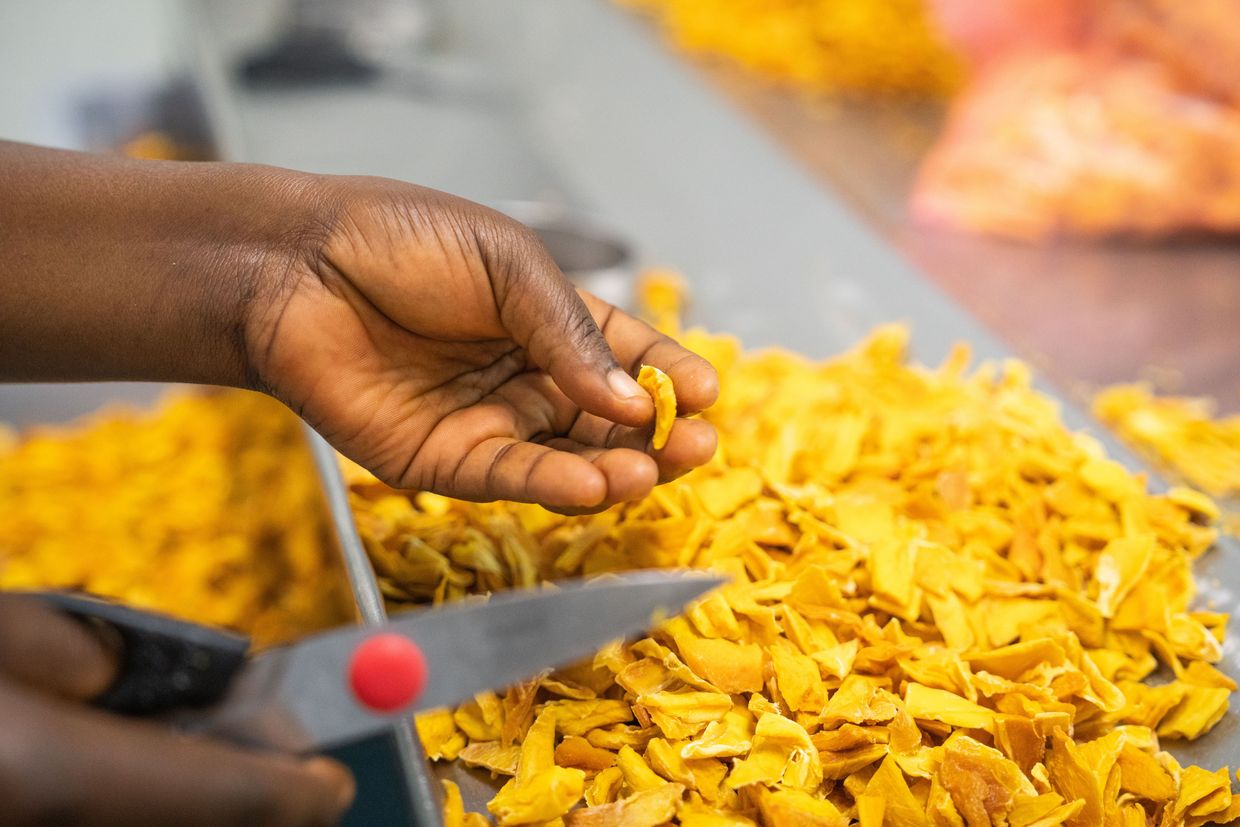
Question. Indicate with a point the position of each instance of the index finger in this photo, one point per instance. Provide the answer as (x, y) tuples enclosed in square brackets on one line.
[(636, 343), (49, 651)]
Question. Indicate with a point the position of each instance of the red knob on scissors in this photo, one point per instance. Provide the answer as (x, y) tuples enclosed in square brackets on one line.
[(387, 672)]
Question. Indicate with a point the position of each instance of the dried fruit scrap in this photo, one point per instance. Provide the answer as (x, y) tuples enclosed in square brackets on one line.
[(540, 791), (659, 385)]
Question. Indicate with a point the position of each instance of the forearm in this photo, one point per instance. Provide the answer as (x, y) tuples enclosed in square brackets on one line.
[(120, 269)]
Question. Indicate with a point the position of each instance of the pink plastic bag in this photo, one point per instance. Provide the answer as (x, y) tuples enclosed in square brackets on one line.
[(1107, 118)]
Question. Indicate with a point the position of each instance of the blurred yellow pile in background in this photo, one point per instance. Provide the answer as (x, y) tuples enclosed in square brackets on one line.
[(1180, 435), (943, 610), (208, 508), (854, 46)]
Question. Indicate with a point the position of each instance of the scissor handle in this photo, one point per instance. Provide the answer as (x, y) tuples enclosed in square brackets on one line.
[(165, 663)]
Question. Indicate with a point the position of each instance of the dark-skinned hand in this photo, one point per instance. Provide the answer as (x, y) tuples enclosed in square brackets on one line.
[(63, 763), (428, 338)]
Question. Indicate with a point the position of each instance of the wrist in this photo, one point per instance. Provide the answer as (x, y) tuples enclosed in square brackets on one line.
[(118, 269), (300, 211)]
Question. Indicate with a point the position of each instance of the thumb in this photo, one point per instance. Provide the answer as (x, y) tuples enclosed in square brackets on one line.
[(543, 313), (51, 652)]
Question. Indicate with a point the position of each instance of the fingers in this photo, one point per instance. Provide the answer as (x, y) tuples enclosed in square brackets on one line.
[(502, 468), (545, 315), (691, 443), (630, 474), (528, 442), (636, 343), (64, 764), (44, 649)]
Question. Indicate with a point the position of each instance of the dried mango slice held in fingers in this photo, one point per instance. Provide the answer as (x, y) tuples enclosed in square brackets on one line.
[(659, 385)]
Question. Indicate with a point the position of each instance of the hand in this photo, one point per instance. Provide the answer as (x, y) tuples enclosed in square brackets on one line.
[(435, 342), (64, 763), (429, 339)]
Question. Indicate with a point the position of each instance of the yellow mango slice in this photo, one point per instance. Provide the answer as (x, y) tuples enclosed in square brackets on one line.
[(659, 385)]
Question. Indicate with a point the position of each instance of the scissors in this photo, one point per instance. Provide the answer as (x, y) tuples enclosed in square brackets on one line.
[(348, 684)]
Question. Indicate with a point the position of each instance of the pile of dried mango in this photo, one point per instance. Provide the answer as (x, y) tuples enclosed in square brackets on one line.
[(943, 610), (1181, 435), (826, 45), (207, 508)]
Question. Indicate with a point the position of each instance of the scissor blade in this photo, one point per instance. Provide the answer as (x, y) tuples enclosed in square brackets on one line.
[(298, 698)]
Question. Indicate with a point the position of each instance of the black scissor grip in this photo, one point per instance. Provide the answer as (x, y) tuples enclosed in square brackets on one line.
[(165, 663)]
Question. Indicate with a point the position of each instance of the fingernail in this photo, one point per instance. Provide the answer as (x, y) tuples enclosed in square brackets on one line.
[(623, 385), (340, 778)]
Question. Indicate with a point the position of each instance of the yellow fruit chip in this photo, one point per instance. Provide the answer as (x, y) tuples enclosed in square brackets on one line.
[(659, 385)]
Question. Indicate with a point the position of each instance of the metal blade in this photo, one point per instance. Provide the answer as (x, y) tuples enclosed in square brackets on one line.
[(297, 698)]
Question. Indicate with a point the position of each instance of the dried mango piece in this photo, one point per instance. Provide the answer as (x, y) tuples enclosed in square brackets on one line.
[(481, 719), (574, 717), (1121, 565), (491, 755), (721, 495), (1177, 432), (659, 385), (646, 808), (700, 815), (984, 785), (844, 763), (1200, 673), (616, 737), (575, 751), (901, 808), (1076, 778), (605, 787), (637, 773), (682, 715), (1142, 775), (439, 735), (797, 677), (518, 704), (1014, 661), (892, 564), (794, 808), (1201, 708), (540, 791), (871, 810), (1195, 503), (929, 704), (940, 808), (702, 774), (730, 666), (782, 753), (1047, 810), (1203, 793), (454, 814), (726, 738), (714, 618), (860, 700), (837, 661)]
